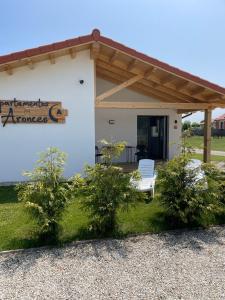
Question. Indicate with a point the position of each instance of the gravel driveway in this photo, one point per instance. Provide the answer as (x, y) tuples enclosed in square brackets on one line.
[(174, 265)]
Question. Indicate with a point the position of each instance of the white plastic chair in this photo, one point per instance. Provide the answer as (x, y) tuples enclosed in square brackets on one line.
[(146, 168)]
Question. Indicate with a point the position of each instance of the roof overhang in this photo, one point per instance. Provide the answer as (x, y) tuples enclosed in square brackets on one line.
[(120, 64)]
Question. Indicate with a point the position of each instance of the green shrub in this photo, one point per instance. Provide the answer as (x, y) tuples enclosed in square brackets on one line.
[(217, 182), (106, 189), (185, 198), (111, 150), (45, 194)]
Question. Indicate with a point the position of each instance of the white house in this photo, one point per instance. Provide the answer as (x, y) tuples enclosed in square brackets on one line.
[(219, 122), (72, 94)]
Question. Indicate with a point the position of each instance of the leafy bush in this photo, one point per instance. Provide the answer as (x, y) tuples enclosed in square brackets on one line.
[(111, 150), (216, 180), (106, 189), (45, 194), (184, 197)]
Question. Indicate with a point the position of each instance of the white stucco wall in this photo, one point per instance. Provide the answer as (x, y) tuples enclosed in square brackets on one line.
[(125, 127), (20, 143)]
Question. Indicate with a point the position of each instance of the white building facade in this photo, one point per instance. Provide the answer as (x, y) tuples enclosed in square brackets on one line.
[(71, 72)]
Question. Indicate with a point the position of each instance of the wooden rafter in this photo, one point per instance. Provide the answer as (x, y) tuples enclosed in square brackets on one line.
[(139, 87), (167, 79), (197, 91), (171, 93), (132, 65), (215, 97), (119, 87), (30, 64), (149, 72), (95, 50), (152, 84), (52, 58), (181, 83), (181, 89), (114, 57), (154, 78), (136, 87), (9, 69), (72, 52)]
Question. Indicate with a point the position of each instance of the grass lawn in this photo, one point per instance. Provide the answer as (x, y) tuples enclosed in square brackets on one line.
[(18, 230), (214, 158), (197, 142)]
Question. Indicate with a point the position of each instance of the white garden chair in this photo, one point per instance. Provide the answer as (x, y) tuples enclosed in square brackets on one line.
[(146, 168)]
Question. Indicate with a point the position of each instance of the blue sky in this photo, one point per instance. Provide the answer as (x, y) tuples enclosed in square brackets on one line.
[(189, 34)]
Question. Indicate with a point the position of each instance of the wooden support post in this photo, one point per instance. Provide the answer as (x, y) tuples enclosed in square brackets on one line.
[(207, 136)]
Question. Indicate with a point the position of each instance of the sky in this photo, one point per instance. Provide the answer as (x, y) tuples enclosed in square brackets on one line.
[(188, 34)]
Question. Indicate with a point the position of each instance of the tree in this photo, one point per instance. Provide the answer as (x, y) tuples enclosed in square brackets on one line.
[(105, 189), (46, 194), (195, 125), (186, 125), (185, 196)]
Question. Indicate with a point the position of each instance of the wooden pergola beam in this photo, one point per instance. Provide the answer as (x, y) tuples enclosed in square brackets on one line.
[(119, 87), (154, 105), (207, 136), (185, 111)]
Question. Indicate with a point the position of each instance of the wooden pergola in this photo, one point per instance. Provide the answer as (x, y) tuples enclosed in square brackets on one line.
[(127, 68)]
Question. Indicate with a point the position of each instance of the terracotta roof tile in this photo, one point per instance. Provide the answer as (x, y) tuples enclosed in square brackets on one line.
[(96, 36), (222, 117)]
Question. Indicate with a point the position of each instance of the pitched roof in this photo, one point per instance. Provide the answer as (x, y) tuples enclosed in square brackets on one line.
[(222, 117), (95, 36)]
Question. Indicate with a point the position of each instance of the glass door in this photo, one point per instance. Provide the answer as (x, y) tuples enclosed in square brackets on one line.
[(152, 136)]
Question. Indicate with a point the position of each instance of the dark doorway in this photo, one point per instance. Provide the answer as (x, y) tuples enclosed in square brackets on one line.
[(152, 136)]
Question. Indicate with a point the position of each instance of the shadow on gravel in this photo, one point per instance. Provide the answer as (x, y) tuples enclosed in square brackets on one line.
[(18, 261), (195, 240), (24, 260), (100, 248), (95, 244)]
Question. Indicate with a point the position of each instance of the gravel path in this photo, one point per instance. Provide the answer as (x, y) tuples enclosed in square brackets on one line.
[(175, 265)]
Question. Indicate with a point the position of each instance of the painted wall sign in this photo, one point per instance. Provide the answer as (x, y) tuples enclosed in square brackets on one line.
[(31, 112)]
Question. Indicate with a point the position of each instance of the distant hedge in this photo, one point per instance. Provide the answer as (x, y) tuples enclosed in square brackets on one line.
[(215, 132)]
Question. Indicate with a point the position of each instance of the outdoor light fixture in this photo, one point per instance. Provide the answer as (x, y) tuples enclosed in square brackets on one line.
[(175, 126)]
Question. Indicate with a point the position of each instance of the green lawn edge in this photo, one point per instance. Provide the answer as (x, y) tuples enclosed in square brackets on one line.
[(19, 231)]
